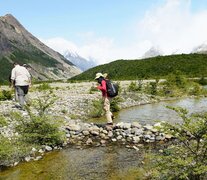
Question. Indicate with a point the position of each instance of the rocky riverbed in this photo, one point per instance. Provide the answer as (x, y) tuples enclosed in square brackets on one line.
[(73, 101)]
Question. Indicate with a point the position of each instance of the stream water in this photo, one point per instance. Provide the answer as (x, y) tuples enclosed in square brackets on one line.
[(150, 113), (110, 162)]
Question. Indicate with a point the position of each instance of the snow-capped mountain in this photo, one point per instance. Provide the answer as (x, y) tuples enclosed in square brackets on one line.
[(79, 61), (152, 52), (202, 49)]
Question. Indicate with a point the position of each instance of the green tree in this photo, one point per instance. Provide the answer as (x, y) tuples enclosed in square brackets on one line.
[(186, 157)]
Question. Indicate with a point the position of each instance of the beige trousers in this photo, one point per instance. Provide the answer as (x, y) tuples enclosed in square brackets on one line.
[(107, 109)]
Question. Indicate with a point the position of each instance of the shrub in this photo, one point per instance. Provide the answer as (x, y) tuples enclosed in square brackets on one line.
[(140, 84), (177, 80), (44, 87), (202, 81), (96, 109), (114, 104), (195, 89), (186, 158), (42, 104), (40, 128), (153, 88), (133, 87), (5, 95), (11, 151), (3, 121)]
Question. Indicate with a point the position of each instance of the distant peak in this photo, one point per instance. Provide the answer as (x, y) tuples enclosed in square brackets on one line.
[(9, 15), (9, 18), (71, 53)]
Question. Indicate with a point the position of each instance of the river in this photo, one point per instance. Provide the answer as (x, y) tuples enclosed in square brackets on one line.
[(110, 162)]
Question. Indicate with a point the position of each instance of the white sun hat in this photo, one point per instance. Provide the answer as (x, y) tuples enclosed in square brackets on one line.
[(98, 75)]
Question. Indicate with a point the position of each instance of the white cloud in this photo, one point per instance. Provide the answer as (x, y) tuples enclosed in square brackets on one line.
[(60, 44), (172, 27)]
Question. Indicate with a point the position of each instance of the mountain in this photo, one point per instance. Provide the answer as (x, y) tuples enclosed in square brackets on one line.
[(79, 61), (18, 45), (201, 49), (190, 65), (152, 52)]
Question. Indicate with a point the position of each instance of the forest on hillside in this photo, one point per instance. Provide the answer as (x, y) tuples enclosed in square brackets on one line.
[(190, 65)]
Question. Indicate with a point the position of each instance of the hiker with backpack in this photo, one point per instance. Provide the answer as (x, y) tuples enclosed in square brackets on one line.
[(108, 91)]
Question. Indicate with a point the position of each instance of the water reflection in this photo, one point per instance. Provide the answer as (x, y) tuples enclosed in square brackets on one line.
[(148, 114)]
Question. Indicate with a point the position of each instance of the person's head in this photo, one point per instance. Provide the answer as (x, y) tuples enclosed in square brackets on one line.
[(15, 63), (99, 75)]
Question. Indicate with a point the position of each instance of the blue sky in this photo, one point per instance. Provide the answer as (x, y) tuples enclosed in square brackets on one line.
[(112, 29)]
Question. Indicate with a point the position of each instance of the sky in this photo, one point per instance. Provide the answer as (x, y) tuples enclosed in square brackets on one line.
[(107, 30)]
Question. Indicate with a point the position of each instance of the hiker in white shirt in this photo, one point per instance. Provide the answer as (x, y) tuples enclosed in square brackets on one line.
[(22, 79)]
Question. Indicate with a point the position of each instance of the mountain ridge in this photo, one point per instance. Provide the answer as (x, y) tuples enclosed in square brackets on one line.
[(19, 45)]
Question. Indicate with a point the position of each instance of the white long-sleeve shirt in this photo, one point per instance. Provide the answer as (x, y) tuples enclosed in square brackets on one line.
[(20, 75)]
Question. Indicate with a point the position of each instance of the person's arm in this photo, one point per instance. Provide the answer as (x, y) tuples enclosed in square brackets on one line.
[(103, 86), (28, 76), (12, 83), (12, 78)]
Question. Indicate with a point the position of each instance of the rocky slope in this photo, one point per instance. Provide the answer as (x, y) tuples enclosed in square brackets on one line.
[(19, 45)]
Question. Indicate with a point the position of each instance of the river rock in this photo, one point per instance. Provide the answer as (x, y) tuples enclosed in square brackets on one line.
[(102, 135), (68, 135), (41, 151), (74, 127), (138, 132), (27, 159), (89, 141), (48, 148), (110, 134), (34, 149), (105, 131), (38, 158), (168, 136), (136, 148), (103, 141), (148, 127), (119, 137), (136, 125), (96, 133), (160, 138), (136, 139), (113, 140), (16, 163), (86, 133)]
